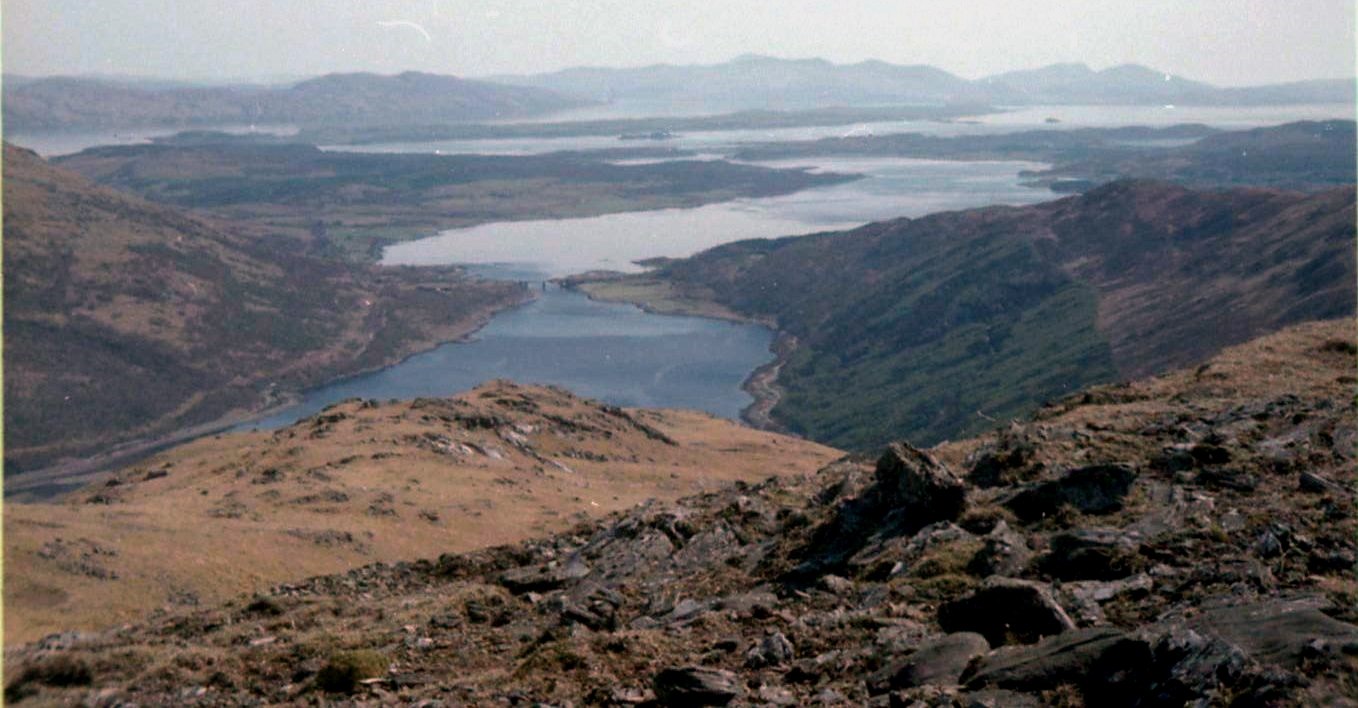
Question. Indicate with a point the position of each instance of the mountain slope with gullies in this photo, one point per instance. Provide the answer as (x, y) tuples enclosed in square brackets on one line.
[(126, 320), (358, 482), (949, 324), (1188, 539)]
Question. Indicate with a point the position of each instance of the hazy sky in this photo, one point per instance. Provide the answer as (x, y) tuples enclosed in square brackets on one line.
[(1229, 42)]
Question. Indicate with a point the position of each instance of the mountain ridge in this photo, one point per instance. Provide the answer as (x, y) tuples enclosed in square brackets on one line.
[(363, 98), (756, 80)]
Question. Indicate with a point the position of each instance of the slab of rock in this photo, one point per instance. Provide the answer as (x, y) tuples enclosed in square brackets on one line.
[(696, 686), (939, 661), (543, 578), (1277, 631), (1106, 664), (1084, 599), (1098, 489), (1007, 611)]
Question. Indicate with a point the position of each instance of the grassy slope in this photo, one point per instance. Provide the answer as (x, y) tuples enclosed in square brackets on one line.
[(355, 484), (938, 327)]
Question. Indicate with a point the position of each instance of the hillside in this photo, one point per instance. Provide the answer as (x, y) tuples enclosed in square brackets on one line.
[(61, 103), (1301, 155), (352, 203), (359, 482), (125, 320), (946, 325), (1182, 540)]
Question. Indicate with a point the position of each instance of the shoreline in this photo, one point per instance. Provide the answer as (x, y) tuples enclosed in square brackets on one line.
[(43, 484), (761, 384)]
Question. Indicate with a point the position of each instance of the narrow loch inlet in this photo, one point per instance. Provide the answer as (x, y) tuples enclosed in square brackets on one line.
[(619, 353), (616, 353)]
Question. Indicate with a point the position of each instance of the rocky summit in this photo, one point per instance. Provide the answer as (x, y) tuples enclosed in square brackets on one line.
[(1183, 540)]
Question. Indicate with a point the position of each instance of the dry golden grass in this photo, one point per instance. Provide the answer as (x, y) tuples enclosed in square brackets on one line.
[(358, 484)]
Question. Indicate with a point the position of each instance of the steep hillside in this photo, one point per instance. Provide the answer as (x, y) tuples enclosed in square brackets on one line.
[(61, 103), (1187, 540), (945, 325), (359, 482), (125, 320)]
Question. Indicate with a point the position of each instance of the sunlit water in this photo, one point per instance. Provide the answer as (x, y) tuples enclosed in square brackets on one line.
[(891, 188), (620, 354), (625, 356), (616, 353)]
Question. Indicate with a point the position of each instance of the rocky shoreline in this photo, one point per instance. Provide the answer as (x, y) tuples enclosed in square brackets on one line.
[(761, 384)]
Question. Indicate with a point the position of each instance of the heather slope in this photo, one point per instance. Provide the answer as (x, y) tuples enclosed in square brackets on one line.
[(937, 327)]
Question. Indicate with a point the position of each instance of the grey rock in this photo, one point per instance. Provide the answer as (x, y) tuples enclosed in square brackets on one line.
[(899, 638), (1189, 667), (1007, 610), (696, 686), (1107, 665), (1083, 599), (1318, 484), (543, 578), (776, 695), (836, 585), (1005, 553), (919, 487), (999, 698), (1097, 489), (1274, 632), (1340, 560), (1092, 554), (938, 661), (774, 650), (1268, 545)]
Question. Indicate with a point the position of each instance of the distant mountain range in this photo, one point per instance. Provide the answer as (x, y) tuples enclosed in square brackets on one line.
[(759, 81), (365, 99), (750, 81)]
